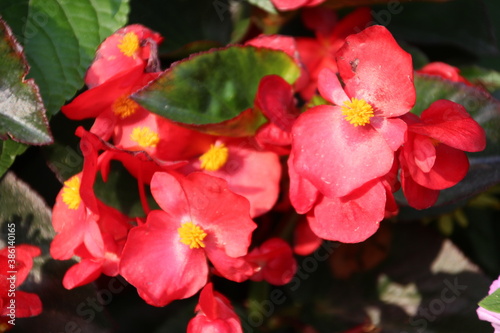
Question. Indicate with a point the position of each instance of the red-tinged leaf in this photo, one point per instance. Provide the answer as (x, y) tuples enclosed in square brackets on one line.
[(22, 114), (216, 86)]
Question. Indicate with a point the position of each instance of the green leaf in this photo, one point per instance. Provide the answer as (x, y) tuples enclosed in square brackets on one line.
[(216, 86), (60, 38), (492, 302), (191, 25), (22, 115), (488, 78), (267, 5), (8, 151)]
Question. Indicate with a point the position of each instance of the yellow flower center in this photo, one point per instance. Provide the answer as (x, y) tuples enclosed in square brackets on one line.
[(191, 235), (3, 327), (124, 107), (435, 142), (129, 44), (215, 157), (71, 193), (145, 137), (357, 112)]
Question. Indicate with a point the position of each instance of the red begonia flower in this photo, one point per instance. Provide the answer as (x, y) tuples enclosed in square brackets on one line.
[(131, 46), (273, 261), (26, 304), (445, 71), (433, 157), (166, 258), (109, 102), (214, 314), (319, 52), (341, 148), (250, 173)]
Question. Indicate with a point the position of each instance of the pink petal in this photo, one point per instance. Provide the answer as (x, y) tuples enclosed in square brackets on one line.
[(352, 218), (170, 195), (335, 156), (330, 88), (392, 129), (375, 68)]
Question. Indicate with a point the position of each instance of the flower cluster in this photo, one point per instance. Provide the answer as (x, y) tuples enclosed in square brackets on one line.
[(338, 163)]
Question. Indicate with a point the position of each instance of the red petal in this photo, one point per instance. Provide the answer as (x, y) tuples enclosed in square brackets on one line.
[(82, 273), (375, 68), (424, 153), (302, 193), (275, 99), (234, 269), (27, 305), (161, 267), (352, 218), (305, 240), (418, 197), (451, 124), (450, 167), (335, 156)]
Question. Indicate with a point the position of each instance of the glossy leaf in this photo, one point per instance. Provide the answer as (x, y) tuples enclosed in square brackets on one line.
[(216, 86), (22, 114), (492, 302), (8, 151)]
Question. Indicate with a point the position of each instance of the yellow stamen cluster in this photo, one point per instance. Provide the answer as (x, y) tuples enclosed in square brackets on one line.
[(145, 137), (357, 112), (129, 44), (192, 235), (124, 107), (71, 193), (215, 157)]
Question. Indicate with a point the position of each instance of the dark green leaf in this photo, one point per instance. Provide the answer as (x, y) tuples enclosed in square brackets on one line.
[(492, 302), (216, 86), (488, 78), (8, 151), (22, 114), (60, 38)]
